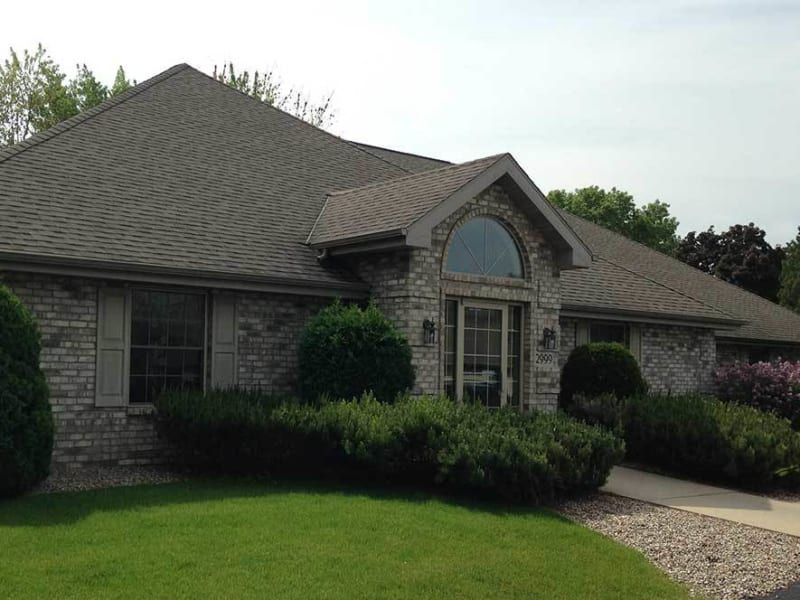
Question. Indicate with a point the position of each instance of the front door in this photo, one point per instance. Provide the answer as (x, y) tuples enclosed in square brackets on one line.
[(482, 352), (483, 355)]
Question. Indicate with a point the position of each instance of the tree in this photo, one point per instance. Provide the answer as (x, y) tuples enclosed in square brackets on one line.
[(121, 82), (26, 423), (789, 292), (86, 91), (741, 256), (651, 225), (270, 90), (32, 95)]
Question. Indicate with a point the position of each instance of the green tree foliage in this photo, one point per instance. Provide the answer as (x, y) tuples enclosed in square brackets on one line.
[(35, 95), (741, 256), (121, 82), (26, 424), (789, 292), (85, 90), (32, 95), (268, 88), (651, 224)]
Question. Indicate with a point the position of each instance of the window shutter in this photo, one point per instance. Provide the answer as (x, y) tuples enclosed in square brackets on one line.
[(113, 327), (635, 335), (223, 342), (582, 333)]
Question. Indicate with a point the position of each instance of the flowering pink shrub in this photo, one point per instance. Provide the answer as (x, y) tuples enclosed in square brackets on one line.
[(770, 386)]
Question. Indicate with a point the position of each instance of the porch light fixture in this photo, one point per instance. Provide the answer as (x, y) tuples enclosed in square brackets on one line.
[(429, 332), (549, 339)]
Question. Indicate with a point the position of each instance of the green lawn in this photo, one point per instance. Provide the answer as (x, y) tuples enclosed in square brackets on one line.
[(256, 540)]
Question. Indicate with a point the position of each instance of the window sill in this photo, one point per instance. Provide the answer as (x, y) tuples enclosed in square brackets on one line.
[(485, 279), (136, 410)]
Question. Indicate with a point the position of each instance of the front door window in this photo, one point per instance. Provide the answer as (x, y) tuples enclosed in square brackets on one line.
[(483, 355), (482, 352)]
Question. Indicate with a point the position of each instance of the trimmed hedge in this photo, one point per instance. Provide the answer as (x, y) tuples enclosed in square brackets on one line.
[(26, 423), (712, 440), (600, 368), (423, 441), (346, 351)]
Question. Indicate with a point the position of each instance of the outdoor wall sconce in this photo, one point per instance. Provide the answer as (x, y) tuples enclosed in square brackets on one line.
[(549, 339), (429, 331)]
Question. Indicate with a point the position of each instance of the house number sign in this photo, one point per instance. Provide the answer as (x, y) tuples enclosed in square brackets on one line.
[(545, 358)]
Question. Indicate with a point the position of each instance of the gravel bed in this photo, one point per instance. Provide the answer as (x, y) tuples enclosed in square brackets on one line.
[(785, 495), (712, 557), (90, 478)]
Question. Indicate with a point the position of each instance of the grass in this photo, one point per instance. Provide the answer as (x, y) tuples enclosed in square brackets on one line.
[(245, 539)]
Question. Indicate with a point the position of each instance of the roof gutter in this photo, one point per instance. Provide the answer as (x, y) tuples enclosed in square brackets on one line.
[(380, 240), (108, 270), (656, 318), (731, 337)]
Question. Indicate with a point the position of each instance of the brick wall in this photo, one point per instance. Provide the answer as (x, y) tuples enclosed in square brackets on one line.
[(66, 312), (412, 286), (269, 337), (673, 359), (65, 309), (678, 359), (567, 341)]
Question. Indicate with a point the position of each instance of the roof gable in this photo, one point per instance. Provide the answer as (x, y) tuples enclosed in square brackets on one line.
[(403, 211)]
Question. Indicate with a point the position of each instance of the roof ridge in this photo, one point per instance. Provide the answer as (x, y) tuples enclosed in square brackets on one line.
[(412, 175), (441, 160), (317, 220), (72, 122), (386, 160), (300, 121), (669, 287), (683, 265)]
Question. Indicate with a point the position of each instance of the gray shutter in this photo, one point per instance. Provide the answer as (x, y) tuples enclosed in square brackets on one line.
[(635, 336), (113, 325), (582, 333), (223, 342)]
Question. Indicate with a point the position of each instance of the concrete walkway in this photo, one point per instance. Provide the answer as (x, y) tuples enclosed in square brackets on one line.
[(721, 503)]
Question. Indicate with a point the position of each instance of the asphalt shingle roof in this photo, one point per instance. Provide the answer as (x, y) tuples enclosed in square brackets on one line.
[(392, 205), (763, 320), (612, 287), (181, 172), (414, 163)]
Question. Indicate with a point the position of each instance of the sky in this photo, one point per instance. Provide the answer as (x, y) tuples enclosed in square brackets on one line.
[(695, 103)]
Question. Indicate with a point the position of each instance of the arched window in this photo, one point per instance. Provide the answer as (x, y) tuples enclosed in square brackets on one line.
[(483, 246)]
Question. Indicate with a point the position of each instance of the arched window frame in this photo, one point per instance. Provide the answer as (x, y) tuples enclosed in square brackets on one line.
[(509, 231)]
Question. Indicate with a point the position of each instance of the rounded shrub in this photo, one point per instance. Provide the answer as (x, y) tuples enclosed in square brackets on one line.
[(600, 368), (26, 423), (346, 351)]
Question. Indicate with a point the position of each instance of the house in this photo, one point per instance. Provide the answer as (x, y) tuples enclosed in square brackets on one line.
[(182, 233)]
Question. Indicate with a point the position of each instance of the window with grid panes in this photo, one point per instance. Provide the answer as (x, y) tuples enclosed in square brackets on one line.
[(167, 343)]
